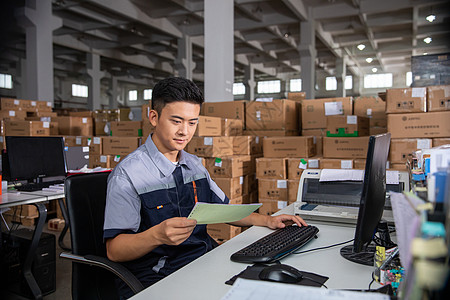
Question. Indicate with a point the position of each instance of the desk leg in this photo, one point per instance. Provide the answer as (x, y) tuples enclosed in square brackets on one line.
[(34, 244), (66, 225)]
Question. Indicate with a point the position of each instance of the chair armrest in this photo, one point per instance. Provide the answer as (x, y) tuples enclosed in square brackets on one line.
[(102, 262)]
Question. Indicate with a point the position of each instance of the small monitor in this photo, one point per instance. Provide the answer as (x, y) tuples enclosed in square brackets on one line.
[(34, 158), (372, 202)]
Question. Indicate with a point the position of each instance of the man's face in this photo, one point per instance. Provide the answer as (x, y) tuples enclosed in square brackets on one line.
[(175, 126)]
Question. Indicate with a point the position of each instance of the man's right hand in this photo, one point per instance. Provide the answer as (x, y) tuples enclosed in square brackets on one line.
[(174, 231)]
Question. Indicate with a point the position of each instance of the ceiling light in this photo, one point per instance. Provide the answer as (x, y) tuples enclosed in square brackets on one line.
[(374, 70), (361, 47), (430, 18), (427, 40), (369, 59)]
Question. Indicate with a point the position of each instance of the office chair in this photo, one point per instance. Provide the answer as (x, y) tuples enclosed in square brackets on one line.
[(93, 274)]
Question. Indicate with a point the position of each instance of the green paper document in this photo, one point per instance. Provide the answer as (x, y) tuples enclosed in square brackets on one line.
[(212, 213)]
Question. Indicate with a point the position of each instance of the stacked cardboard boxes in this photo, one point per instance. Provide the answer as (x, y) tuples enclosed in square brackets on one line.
[(416, 118)]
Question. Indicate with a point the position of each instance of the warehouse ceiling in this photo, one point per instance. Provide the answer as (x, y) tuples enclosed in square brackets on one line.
[(139, 38)]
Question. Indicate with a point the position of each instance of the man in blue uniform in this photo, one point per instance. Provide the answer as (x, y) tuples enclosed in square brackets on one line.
[(152, 191)]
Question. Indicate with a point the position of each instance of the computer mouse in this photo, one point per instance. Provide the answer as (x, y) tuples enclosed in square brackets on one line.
[(281, 273)]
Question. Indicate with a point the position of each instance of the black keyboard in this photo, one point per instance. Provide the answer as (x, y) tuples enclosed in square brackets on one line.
[(276, 245), (31, 187)]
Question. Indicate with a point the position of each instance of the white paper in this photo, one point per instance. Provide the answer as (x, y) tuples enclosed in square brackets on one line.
[(341, 175), (423, 144), (97, 140), (352, 119), (85, 149), (208, 141), (12, 113), (117, 158), (264, 99), (281, 204), (16, 102), (369, 112), (333, 108), (246, 289), (49, 104), (346, 164), (392, 177), (258, 115), (78, 140), (418, 92), (46, 124), (103, 158), (33, 103), (241, 180), (84, 120), (313, 163)]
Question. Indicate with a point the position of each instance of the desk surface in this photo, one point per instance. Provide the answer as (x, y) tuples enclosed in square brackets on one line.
[(205, 277), (13, 198)]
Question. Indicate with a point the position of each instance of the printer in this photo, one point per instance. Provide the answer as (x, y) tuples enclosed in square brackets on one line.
[(334, 194)]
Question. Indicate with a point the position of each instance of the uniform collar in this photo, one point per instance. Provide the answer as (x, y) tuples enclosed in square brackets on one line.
[(164, 165)]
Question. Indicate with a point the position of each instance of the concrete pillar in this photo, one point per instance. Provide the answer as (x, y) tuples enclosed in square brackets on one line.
[(358, 83), (94, 77), (249, 82), (184, 62), (219, 50), (39, 23), (307, 50), (113, 93), (340, 76)]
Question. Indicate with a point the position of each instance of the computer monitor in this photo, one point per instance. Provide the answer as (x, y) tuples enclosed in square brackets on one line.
[(371, 206), (34, 158)]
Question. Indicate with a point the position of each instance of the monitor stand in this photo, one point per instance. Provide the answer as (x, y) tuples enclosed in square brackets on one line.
[(364, 257)]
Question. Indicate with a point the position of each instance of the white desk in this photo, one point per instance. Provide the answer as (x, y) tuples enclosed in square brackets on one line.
[(39, 198), (205, 277)]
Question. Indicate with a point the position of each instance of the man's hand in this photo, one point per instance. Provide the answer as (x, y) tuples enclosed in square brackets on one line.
[(282, 221), (174, 231)]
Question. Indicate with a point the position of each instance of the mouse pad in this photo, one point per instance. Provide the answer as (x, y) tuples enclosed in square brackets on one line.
[(252, 272)]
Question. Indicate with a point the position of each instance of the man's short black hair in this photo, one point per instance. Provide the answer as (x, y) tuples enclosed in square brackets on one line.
[(175, 89)]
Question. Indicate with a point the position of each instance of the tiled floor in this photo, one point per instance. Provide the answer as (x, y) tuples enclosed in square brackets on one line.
[(63, 274)]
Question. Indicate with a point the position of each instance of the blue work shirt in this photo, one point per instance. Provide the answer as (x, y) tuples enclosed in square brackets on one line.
[(145, 189)]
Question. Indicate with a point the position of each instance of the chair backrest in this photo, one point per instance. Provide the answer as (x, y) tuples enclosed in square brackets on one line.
[(85, 201)]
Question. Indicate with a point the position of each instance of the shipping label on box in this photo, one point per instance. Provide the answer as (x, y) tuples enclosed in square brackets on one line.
[(209, 126), (419, 125), (347, 125), (291, 146), (271, 168), (126, 128), (402, 149), (314, 111), (280, 114), (232, 166), (217, 146), (373, 108), (438, 98), (270, 206), (120, 145), (406, 100), (345, 147)]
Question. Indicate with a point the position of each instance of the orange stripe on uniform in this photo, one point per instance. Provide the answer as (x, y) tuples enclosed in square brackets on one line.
[(195, 191)]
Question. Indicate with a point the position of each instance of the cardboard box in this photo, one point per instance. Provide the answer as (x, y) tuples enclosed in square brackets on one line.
[(209, 126), (104, 161), (10, 104), (147, 128), (76, 141), (399, 167), (271, 168), (232, 187), (247, 145), (225, 109), (56, 224), (217, 146), (101, 115), (25, 221), (345, 147), (84, 114), (292, 190), (335, 163), (315, 111), (95, 145), (373, 108), (42, 114), (250, 184), (263, 133), (359, 163), (438, 98), (231, 166), (274, 189), (280, 114), (402, 149), (124, 114), (290, 146), (15, 115), (297, 96), (419, 125), (223, 231), (75, 126), (102, 128), (126, 128), (120, 145), (27, 128), (347, 125), (441, 142), (406, 100), (377, 130), (295, 166), (270, 206), (314, 132), (232, 127), (145, 111)]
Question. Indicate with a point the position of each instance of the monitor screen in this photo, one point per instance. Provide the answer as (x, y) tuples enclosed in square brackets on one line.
[(31, 158), (372, 202)]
